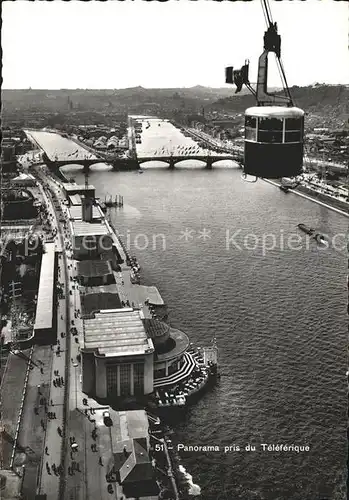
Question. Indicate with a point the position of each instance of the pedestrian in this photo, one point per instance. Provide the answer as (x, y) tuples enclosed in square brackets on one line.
[(48, 469), (46, 450), (72, 456), (51, 402), (54, 415), (54, 383), (100, 461), (59, 430), (41, 370)]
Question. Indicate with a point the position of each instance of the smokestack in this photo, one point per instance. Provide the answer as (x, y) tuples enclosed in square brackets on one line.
[(87, 207)]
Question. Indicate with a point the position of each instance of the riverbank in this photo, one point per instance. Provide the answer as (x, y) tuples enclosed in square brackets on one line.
[(308, 196)]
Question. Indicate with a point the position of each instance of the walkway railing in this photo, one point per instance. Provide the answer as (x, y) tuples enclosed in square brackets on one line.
[(21, 408)]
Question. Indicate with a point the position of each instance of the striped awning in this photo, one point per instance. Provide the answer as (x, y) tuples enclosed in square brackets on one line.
[(183, 373)]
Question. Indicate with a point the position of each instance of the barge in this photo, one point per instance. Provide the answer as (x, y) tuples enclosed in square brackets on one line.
[(312, 232)]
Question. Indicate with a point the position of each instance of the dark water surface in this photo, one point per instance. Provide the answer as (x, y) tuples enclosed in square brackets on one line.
[(279, 318)]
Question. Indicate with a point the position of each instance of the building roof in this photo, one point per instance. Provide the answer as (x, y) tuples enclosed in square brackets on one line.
[(133, 424), (44, 306), (24, 177), (92, 268), (179, 344), (155, 328), (136, 464), (117, 332), (130, 449), (75, 212), (75, 199), (112, 288), (92, 302), (153, 295), (77, 187), (82, 228)]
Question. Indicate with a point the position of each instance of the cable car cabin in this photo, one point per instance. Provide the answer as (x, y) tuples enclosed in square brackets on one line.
[(273, 141)]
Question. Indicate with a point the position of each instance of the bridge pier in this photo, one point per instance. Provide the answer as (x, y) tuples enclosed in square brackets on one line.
[(126, 164), (86, 168), (171, 164), (209, 163)]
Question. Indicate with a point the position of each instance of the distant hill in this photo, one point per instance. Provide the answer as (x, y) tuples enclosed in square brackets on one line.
[(330, 101), (56, 101), (324, 101), (97, 100)]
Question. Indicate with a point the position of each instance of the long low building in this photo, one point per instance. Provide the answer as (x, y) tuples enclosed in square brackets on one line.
[(93, 238), (92, 302), (72, 188), (95, 273), (75, 213), (90, 239), (45, 327)]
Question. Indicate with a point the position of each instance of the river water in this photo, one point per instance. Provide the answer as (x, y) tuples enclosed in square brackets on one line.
[(204, 239)]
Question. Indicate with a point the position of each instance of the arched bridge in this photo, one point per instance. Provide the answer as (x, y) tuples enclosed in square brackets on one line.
[(208, 159), (61, 161)]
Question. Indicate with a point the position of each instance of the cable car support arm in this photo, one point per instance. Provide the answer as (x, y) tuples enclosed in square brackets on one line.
[(272, 43)]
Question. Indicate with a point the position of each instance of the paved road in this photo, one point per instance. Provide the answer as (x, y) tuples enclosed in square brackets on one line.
[(85, 469), (32, 435), (49, 480), (88, 478)]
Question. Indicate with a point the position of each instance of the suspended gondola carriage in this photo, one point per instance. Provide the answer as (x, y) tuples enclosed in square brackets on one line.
[(274, 128)]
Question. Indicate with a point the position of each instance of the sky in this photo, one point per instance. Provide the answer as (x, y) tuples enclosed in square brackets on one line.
[(179, 43)]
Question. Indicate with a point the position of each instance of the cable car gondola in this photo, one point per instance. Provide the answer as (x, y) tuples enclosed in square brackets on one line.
[(273, 141), (274, 128)]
